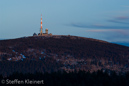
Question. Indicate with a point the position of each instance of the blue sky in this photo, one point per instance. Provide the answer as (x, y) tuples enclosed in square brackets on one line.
[(100, 19)]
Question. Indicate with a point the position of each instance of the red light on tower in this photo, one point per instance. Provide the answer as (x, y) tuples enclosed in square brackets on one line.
[(41, 29), (41, 20)]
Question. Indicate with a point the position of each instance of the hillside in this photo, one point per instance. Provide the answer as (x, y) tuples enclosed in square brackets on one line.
[(52, 53)]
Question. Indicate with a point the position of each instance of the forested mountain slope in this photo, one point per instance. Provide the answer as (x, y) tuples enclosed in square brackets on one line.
[(52, 53)]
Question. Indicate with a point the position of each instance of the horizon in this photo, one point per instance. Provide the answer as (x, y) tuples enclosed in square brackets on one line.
[(103, 20)]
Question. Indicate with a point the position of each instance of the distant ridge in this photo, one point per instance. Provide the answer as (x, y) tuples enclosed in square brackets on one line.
[(122, 43)]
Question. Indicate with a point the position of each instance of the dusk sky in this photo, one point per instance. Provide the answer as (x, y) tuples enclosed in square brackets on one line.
[(100, 19)]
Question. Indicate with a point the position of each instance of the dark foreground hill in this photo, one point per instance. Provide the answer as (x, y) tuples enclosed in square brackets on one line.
[(81, 78), (53, 53)]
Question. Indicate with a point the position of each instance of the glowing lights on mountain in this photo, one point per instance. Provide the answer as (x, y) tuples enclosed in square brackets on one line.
[(41, 30)]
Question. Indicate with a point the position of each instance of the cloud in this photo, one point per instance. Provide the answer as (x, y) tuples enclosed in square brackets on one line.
[(97, 30), (120, 20), (111, 35), (122, 17), (98, 26), (120, 31), (105, 30)]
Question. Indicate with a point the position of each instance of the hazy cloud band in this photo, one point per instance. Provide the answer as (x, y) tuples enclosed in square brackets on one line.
[(98, 26)]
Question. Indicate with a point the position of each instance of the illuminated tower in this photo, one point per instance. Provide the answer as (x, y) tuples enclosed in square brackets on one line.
[(41, 29)]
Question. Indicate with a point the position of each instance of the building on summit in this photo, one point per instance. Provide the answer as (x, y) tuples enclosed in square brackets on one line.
[(41, 31)]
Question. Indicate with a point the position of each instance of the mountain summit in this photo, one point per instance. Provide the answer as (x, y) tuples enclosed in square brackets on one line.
[(58, 52)]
